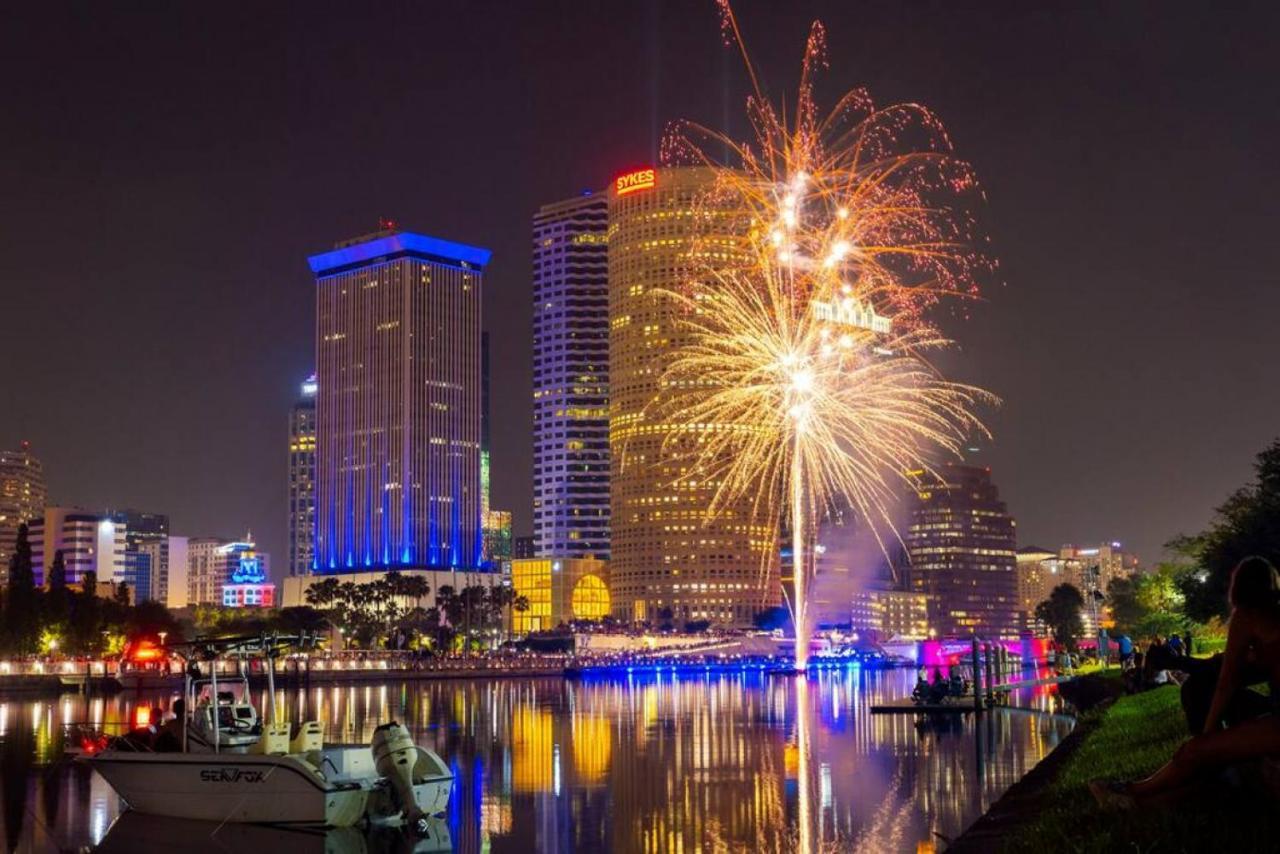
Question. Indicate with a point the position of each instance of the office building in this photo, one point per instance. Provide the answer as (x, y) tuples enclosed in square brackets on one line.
[(398, 403), (1104, 563), (1038, 571), (559, 590), (570, 377), (883, 614), (168, 563), (89, 542), (960, 543), (302, 480), (522, 547), (22, 498), (146, 557), (664, 552)]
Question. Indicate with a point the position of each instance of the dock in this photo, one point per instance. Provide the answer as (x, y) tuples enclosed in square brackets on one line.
[(909, 708)]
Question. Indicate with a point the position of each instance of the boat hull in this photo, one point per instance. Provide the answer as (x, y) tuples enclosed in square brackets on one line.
[(230, 787)]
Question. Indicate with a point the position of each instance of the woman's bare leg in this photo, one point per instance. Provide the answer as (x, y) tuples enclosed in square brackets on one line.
[(1258, 737)]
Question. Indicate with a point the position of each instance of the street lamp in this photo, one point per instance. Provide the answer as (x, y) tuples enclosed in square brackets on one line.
[(163, 635)]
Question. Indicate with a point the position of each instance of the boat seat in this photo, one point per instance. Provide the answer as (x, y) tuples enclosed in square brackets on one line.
[(274, 740), (310, 737)]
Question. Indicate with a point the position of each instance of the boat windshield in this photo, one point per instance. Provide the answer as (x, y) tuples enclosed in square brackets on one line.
[(232, 692)]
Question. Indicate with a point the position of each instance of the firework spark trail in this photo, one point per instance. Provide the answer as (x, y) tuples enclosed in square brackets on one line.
[(801, 366)]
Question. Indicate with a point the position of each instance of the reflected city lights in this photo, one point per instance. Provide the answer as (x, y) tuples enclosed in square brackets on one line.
[(655, 762)]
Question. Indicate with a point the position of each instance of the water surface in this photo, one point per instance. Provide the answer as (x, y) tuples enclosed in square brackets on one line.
[(668, 763)]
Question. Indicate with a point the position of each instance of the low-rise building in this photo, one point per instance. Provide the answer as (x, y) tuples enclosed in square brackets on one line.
[(559, 590)]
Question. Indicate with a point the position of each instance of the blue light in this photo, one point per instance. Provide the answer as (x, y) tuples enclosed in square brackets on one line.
[(397, 244)]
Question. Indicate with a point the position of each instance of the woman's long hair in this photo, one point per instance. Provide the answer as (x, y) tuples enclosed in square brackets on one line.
[(1254, 584)]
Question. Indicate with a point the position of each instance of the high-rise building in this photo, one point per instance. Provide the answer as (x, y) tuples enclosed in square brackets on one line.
[(146, 552), (22, 498), (167, 561), (398, 404), (664, 552), (570, 377), (1038, 571), (522, 547), (302, 480), (961, 543), (1105, 563), (89, 542)]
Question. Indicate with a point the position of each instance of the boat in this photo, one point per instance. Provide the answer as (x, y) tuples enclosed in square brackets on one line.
[(221, 761), (132, 832)]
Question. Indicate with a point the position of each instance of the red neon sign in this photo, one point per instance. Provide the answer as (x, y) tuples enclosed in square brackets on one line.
[(641, 179)]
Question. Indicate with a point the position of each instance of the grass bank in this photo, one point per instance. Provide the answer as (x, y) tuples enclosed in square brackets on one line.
[(1128, 739)]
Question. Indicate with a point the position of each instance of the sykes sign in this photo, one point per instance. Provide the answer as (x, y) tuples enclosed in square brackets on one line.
[(641, 179)]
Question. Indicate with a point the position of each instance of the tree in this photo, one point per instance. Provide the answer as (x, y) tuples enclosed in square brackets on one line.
[(22, 621), (773, 618), (1247, 523), (57, 579), (122, 594), (1061, 613), (1151, 603)]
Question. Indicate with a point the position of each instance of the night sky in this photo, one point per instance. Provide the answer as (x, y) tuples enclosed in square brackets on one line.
[(165, 169)]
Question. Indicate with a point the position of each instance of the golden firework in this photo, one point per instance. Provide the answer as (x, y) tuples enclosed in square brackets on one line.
[(802, 368)]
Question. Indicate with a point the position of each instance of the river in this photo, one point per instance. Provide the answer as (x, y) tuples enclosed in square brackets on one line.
[(689, 763)]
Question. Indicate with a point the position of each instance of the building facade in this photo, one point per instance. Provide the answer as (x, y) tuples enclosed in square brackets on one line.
[(146, 557), (664, 552), (559, 590), (960, 544), (212, 563), (571, 377), (249, 585), (22, 498), (1103, 563), (398, 403), (890, 614), (89, 542), (302, 480)]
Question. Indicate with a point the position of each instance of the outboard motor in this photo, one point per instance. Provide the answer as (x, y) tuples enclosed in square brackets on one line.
[(395, 756)]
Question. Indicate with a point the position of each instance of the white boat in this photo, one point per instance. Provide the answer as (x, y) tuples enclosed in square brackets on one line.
[(133, 831), (229, 765)]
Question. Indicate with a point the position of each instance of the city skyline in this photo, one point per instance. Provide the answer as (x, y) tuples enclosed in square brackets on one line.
[(1105, 329)]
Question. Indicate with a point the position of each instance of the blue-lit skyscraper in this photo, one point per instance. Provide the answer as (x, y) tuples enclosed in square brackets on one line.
[(398, 403)]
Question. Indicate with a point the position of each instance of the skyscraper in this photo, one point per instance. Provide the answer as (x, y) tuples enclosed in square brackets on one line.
[(664, 553), (570, 378), (961, 547), (22, 498), (398, 404), (302, 480)]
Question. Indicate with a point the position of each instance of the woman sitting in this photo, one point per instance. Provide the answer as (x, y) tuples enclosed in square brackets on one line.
[(1253, 641)]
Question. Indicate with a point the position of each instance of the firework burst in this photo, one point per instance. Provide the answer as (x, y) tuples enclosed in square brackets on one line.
[(802, 364)]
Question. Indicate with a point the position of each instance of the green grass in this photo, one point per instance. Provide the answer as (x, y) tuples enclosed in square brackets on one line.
[(1130, 740)]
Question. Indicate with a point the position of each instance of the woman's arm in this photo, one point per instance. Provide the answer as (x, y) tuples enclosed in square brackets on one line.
[(1238, 632)]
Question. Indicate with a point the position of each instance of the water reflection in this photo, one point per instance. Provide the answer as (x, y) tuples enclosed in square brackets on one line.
[(649, 764)]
